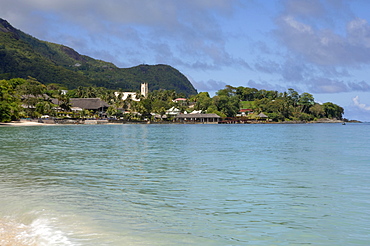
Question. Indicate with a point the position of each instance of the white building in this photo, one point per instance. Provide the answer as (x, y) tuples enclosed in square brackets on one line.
[(126, 95), (144, 90), (173, 111)]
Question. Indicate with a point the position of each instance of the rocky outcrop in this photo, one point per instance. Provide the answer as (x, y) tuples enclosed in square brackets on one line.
[(72, 53)]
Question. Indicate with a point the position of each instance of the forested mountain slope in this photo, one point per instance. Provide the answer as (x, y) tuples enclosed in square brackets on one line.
[(22, 55)]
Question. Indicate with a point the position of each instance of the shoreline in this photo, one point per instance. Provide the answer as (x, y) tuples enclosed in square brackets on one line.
[(25, 123), (234, 121), (33, 123)]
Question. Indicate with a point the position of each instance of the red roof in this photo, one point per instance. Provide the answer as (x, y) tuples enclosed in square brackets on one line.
[(245, 110), (180, 99)]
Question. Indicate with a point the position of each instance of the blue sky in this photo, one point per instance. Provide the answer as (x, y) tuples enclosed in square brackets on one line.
[(316, 46)]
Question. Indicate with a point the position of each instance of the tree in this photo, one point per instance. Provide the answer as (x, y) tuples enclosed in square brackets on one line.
[(227, 101), (332, 110), (317, 110), (143, 107), (305, 101), (159, 107), (203, 101), (246, 93), (266, 94), (293, 97), (10, 103), (112, 111), (262, 105), (45, 108), (278, 109), (229, 106), (212, 109), (32, 93), (80, 93), (90, 92), (63, 101), (128, 102), (31, 87), (146, 107), (305, 117), (229, 91)]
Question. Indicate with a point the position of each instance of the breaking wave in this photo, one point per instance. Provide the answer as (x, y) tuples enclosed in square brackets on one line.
[(39, 232)]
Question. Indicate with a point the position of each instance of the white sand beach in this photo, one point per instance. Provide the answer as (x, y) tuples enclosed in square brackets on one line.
[(23, 123)]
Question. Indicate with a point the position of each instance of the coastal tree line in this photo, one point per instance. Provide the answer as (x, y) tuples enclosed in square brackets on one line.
[(28, 98), (278, 106)]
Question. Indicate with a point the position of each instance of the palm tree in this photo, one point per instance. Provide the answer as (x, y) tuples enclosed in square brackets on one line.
[(90, 92), (63, 101), (80, 92)]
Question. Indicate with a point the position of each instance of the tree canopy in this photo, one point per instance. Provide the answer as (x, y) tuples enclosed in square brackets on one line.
[(278, 106), (30, 98)]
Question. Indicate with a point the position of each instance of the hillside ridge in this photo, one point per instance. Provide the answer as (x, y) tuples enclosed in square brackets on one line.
[(22, 55)]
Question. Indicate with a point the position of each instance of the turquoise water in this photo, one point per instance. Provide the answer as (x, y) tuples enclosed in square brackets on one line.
[(185, 185)]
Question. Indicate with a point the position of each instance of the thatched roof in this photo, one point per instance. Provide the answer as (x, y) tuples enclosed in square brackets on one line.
[(262, 115), (88, 103)]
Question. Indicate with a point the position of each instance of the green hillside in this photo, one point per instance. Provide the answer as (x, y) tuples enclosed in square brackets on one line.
[(22, 55)]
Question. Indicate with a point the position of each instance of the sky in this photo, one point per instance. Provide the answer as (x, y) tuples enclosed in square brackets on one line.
[(317, 46)]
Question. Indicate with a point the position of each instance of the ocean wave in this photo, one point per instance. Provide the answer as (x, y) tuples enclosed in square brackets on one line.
[(40, 232)]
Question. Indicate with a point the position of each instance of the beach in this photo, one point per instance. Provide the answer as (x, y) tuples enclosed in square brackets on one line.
[(23, 123), (26, 123)]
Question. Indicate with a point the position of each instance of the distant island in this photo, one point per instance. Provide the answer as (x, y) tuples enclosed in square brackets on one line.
[(47, 82)]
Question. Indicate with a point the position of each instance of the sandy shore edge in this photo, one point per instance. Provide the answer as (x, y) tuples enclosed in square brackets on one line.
[(34, 123), (24, 123)]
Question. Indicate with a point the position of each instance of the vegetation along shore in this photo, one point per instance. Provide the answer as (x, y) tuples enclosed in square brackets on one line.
[(32, 100), (49, 83)]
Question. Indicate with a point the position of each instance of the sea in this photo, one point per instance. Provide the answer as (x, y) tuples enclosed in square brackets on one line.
[(145, 184)]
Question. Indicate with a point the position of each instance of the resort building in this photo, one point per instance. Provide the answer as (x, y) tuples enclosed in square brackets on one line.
[(144, 90), (94, 104), (262, 116), (173, 111), (198, 118), (126, 95)]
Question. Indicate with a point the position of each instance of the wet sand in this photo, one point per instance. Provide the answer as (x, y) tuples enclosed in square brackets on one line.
[(14, 234)]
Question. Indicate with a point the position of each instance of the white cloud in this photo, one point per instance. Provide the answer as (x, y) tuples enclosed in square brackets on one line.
[(321, 43), (326, 44), (190, 30), (297, 26), (326, 85), (323, 46), (359, 33), (356, 101)]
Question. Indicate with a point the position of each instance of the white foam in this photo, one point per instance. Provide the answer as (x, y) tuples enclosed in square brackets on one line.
[(46, 234), (40, 232)]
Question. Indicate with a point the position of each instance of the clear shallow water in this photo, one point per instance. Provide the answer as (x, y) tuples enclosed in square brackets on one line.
[(185, 185)]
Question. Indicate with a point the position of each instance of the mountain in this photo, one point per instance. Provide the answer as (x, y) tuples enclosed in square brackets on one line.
[(22, 55)]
